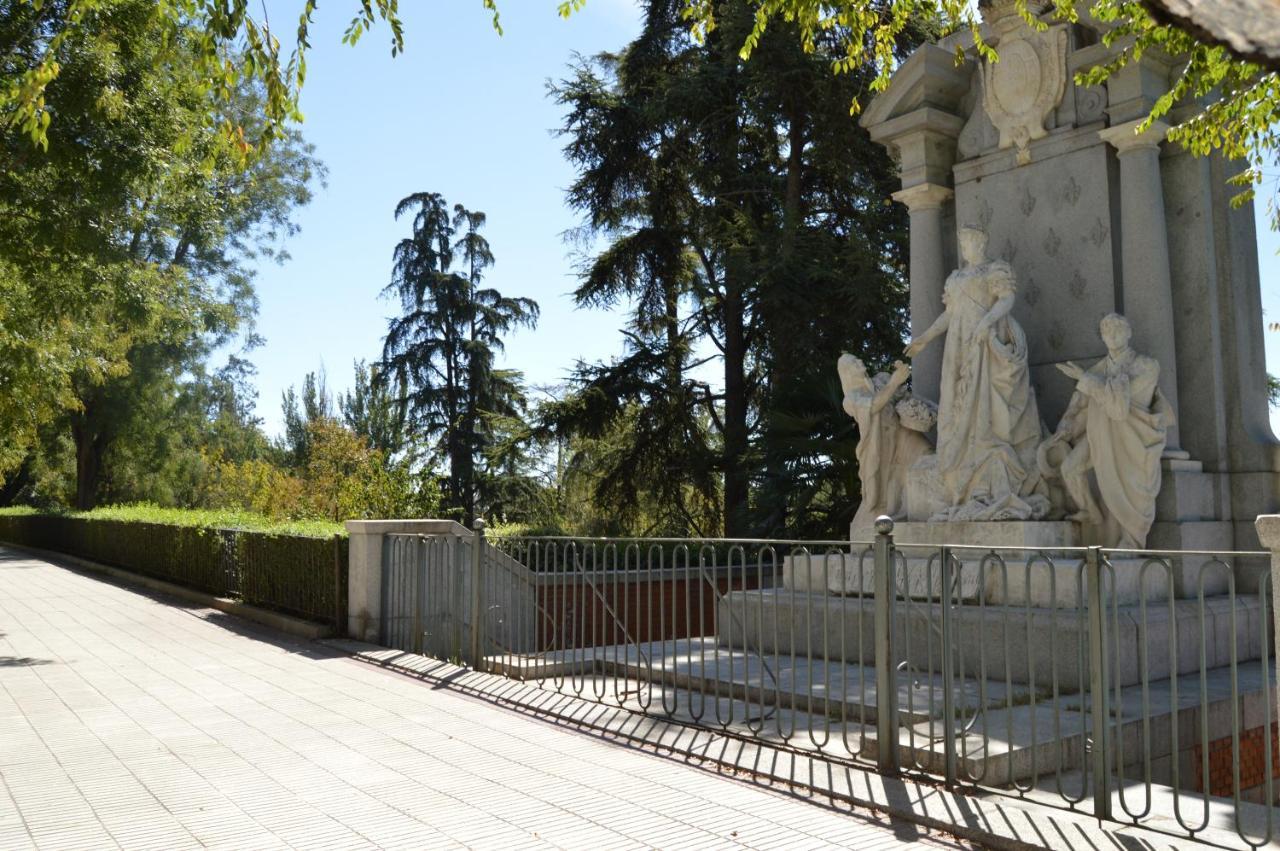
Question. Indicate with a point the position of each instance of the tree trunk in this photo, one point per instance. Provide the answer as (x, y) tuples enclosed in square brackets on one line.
[(792, 214), (735, 411), (772, 511), (470, 443), (725, 136), (88, 462), (14, 484)]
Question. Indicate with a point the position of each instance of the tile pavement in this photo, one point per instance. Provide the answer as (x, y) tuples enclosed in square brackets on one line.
[(128, 721)]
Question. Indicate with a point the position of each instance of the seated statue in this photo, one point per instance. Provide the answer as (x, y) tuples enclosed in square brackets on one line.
[(1115, 426), (886, 447)]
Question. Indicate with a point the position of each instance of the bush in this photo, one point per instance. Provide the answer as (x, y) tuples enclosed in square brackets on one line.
[(291, 568)]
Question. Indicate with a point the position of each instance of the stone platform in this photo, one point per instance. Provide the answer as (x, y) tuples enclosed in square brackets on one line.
[(1031, 534), (1006, 732), (1041, 579), (1032, 552), (1038, 647)]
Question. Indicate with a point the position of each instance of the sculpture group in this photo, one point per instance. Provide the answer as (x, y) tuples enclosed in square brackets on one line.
[(994, 459)]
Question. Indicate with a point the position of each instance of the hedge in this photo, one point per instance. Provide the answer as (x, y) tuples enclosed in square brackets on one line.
[(294, 574)]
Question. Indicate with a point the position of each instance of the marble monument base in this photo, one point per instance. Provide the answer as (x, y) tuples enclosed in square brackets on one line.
[(1051, 581), (1023, 534)]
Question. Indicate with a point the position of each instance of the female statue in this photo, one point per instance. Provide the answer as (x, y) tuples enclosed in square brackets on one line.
[(988, 424), (886, 448)]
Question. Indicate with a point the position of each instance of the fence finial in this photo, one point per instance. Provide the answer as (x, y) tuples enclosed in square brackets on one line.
[(884, 525)]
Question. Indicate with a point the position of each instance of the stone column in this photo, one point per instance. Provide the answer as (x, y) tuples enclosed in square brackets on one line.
[(1148, 287), (925, 203), (1268, 526), (364, 567)]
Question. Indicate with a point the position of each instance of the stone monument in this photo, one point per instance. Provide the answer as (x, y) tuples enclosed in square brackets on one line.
[(1091, 218)]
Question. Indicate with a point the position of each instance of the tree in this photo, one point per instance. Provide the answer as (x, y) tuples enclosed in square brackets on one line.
[(371, 410), (1235, 101), (1239, 122), (734, 195), (222, 43), (316, 406), (441, 351), (345, 478), (128, 246)]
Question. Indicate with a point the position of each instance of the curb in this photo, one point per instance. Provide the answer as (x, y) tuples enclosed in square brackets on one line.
[(296, 627)]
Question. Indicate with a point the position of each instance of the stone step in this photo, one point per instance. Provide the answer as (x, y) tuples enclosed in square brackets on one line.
[(1018, 738), (1037, 648), (817, 686), (1043, 578)]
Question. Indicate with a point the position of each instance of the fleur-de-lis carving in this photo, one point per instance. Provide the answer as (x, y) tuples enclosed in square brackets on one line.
[(1052, 242), (1057, 336), (1071, 191), (984, 215), (1010, 250), (1098, 233), (1078, 285)]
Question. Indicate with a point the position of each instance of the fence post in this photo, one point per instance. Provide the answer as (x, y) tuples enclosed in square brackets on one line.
[(948, 673), (1099, 716), (477, 595), (1268, 527), (419, 589), (886, 670), (384, 606)]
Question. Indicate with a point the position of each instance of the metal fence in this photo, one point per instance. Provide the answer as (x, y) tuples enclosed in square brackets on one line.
[(1133, 685)]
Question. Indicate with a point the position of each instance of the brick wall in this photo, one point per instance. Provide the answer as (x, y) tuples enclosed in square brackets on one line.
[(1252, 762)]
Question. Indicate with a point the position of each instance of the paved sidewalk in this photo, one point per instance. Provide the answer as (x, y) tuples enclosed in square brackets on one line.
[(126, 721)]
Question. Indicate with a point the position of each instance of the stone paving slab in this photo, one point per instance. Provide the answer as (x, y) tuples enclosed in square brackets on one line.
[(132, 721), (1034, 820)]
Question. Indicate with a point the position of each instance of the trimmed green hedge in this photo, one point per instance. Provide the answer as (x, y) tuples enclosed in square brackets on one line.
[(295, 574)]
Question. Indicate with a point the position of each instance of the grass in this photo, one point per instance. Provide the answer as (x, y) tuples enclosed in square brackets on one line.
[(197, 517)]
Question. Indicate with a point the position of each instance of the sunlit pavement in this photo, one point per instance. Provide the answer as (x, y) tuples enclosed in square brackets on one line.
[(128, 721)]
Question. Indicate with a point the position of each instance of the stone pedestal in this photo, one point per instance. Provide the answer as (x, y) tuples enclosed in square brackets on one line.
[(1023, 534), (925, 492)]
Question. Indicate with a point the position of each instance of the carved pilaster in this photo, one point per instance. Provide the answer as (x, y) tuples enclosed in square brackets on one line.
[(1147, 284), (926, 204)]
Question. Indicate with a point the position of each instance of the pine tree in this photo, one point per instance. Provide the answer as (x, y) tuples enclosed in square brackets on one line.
[(746, 214), (441, 350)]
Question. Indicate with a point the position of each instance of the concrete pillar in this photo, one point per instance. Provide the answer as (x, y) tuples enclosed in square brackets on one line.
[(364, 561), (1148, 287), (1268, 526), (925, 203)]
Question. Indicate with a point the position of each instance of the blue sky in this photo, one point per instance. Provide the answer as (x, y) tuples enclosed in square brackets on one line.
[(462, 112)]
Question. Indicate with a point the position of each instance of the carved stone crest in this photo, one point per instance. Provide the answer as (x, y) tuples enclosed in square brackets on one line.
[(1027, 83)]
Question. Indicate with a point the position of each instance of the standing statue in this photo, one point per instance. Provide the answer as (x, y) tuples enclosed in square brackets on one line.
[(886, 447), (988, 424), (1115, 426)]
